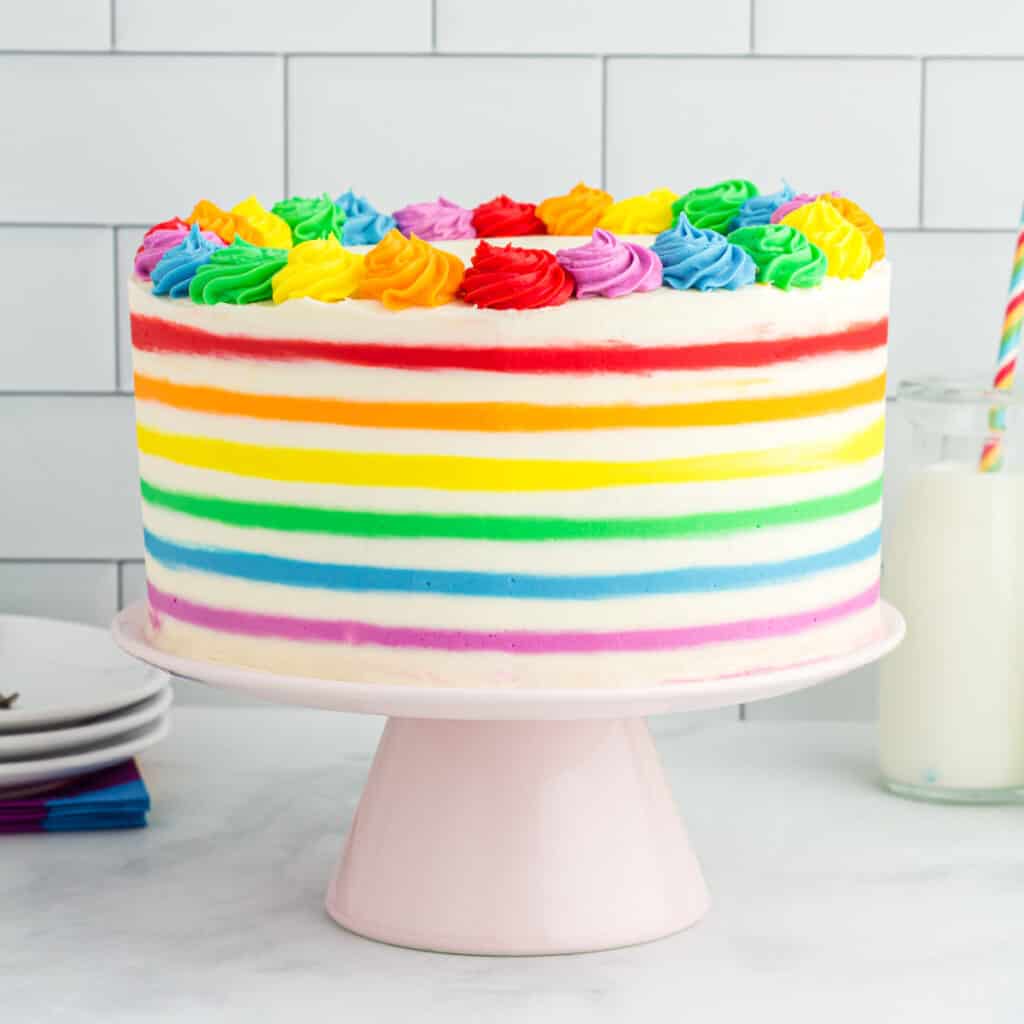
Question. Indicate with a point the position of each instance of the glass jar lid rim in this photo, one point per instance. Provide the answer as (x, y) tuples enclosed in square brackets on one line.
[(957, 391)]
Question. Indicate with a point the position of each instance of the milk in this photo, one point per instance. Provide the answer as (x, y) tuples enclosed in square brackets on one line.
[(952, 698)]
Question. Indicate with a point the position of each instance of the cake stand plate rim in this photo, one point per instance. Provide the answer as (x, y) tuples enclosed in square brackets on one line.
[(487, 704)]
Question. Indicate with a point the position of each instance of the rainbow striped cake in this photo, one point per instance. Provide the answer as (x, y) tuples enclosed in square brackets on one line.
[(631, 442)]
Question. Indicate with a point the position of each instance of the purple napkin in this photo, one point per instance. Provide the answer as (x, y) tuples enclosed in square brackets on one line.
[(113, 797)]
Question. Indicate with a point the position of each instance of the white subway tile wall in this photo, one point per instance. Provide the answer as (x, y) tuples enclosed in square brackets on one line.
[(119, 113)]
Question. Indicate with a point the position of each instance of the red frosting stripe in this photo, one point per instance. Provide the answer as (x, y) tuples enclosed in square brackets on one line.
[(503, 217), (505, 277), (151, 334)]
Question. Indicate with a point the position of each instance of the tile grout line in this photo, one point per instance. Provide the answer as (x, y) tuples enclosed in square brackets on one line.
[(604, 122), (113, 24), (285, 142), (119, 586), (753, 38), (920, 143), (433, 26)]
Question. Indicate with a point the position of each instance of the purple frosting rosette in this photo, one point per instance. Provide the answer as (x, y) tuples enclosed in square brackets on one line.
[(436, 222), (610, 267)]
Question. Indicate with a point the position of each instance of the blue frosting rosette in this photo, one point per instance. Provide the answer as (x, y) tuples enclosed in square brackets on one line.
[(174, 273), (701, 259), (757, 210), (364, 224)]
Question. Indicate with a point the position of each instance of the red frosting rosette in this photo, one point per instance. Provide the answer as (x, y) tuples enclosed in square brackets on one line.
[(508, 277), (503, 217)]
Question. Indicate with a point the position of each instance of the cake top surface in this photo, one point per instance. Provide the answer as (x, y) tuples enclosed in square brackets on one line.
[(509, 255)]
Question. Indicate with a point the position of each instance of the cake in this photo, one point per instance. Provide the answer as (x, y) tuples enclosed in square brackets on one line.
[(586, 442)]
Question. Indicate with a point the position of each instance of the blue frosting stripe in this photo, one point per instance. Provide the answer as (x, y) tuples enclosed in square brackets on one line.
[(702, 259), (361, 578), (174, 273), (364, 224)]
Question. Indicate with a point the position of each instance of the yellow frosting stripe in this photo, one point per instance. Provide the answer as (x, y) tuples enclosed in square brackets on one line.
[(263, 227), (465, 473), (319, 269)]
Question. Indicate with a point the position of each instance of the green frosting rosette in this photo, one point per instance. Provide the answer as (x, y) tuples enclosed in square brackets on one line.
[(784, 257), (713, 208), (241, 273), (316, 217)]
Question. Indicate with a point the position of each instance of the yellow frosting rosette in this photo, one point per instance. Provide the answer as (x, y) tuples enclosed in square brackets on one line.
[(320, 269), (403, 272), (576, 213), (267, 228), (648, 214), (859, 218), (845, 246)]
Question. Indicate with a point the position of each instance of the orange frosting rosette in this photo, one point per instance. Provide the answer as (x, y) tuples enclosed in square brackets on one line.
[(210, 217), (577, 212), (859, 218), (403, 272)]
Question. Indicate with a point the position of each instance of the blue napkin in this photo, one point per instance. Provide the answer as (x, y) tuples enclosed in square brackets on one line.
[(113, 797)]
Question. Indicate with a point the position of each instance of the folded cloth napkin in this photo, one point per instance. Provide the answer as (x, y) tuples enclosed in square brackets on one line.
[(113, 797)]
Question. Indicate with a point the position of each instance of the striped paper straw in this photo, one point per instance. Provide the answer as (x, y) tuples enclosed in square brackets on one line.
[(1006, 365)]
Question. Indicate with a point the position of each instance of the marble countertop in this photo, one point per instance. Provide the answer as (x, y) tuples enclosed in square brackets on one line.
[(832, 900)]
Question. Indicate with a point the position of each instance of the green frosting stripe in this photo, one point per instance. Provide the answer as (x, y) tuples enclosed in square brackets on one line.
[(357, 523), (241, 273), (714, 207), (783, 255)]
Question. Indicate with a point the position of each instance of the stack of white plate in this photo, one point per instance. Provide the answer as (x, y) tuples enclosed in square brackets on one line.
[(81, 703)]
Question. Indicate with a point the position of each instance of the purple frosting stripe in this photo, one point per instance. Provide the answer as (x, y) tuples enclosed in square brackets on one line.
[(359, 634), (606, 266)]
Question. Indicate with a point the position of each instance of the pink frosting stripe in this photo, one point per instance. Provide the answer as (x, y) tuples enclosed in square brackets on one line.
[(358, 634)]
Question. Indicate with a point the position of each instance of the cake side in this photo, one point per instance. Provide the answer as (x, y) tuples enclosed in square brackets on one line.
[(677, 484)]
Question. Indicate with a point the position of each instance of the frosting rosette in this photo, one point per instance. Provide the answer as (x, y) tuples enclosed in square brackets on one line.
[(239, 273), (310, 217), (701, 259), (364, 223), (759, 209), (210, 217), (640, 215), (401, 272), (714, 206), (784, 257), (859, 218), (318, 269), (609, 267), (577, 212), (845, 246), (436, 222), (509, 277), (158, 240), (173, 274), (264, 227), (796, 202), (503, 217)]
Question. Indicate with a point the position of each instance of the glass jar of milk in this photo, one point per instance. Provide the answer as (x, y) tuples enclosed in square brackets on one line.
[(952, 696)]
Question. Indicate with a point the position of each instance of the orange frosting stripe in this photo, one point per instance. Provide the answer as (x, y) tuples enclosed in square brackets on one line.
[(576, 213), (210, 217), (859, 218), (403, 272), (504, 417)]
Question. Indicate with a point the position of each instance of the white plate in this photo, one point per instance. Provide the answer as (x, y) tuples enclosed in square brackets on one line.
[(103, 755), (56, 741), (492, 705), (65, 672)]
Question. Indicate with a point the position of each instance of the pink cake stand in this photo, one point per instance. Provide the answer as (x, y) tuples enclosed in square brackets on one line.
[(514, 821)]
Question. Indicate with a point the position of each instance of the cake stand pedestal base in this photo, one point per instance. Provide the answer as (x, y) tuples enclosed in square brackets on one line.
[(517, 838), (514, 821)]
